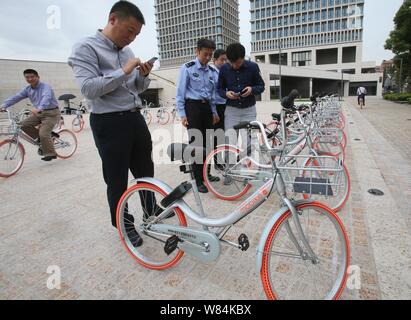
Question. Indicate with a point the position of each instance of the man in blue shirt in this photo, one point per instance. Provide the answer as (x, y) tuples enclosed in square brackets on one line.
[(45, 113), (220, 59), (239, 82), (196, 102)]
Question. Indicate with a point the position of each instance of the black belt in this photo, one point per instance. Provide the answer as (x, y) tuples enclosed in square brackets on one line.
[(120, 113), (198, 101)]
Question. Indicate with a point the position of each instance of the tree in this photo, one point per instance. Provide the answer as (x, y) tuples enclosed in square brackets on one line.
[(399, 42)]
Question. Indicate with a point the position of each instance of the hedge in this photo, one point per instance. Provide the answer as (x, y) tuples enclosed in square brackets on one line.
[(398, 97)]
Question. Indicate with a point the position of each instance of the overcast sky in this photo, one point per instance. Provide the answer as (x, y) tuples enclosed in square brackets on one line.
[(25, 33)]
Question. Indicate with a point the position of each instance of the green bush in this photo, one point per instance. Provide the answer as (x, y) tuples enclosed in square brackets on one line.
[(409, 100), (398, 96)]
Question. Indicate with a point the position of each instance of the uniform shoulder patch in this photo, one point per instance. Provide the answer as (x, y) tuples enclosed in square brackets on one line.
[(211, 68), (190, 64)]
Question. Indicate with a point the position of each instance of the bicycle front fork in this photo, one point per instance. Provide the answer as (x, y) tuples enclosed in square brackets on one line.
[(308, 254)]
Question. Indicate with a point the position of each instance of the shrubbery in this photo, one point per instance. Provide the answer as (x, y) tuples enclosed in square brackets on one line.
[(405, 97)]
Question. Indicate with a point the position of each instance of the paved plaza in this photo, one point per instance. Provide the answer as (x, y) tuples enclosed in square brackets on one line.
[(56, 214)]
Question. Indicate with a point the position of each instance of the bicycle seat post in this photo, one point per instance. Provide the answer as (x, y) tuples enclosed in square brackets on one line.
[(197, 197)]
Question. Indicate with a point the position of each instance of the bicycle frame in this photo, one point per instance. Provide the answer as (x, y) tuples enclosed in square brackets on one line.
[(244, 209), (260, 196)]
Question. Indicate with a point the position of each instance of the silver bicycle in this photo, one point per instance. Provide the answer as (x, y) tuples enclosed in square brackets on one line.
[(146, 112), (163, 115), (303, 252), (12, 151)]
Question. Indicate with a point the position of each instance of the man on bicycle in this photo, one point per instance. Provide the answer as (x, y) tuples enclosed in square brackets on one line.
[(361, 93), (45, 113)]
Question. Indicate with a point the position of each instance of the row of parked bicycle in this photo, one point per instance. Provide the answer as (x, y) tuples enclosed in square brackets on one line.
[(163, 115), (304, 250)]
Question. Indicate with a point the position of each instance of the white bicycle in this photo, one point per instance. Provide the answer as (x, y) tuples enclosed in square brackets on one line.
[(303, 252)]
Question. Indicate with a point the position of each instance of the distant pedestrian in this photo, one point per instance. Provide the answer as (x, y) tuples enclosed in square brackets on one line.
[(361, 93)]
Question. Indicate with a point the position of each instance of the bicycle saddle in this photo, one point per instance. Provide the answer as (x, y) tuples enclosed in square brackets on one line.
[(314, 97), (66, 97), (288, 101), (276, 116), (186, 153)]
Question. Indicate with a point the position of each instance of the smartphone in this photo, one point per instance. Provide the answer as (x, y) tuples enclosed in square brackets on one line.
[(152, 60)]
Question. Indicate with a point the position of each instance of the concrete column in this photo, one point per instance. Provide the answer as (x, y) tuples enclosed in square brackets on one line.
[(379, 89), (313, 57), (340, 56), (289, 58), (358, 59), (311, 87), (266, 94), (346, 88)]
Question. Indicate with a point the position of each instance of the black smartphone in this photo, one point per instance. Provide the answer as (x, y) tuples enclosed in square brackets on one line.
[(152, 60)]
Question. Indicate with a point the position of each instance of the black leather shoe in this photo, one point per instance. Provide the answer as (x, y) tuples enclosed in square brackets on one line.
[(40, 152), (202, 188), (213, 178), (49, 158), (134, 237)]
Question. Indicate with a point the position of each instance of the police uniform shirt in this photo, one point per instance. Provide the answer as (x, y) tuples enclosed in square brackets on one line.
[(196, 82)]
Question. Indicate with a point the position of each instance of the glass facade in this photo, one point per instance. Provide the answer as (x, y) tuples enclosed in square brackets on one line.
[(180, 23), (295, 24)]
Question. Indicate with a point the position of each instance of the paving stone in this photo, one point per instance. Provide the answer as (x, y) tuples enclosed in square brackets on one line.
[(69, 226)]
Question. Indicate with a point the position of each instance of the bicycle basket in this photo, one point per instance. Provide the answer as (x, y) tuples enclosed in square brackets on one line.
[(329, 135), (312, 175), (7, 128)]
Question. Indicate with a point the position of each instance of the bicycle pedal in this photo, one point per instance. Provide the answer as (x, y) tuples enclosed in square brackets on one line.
[(243, 242), (171, 244)]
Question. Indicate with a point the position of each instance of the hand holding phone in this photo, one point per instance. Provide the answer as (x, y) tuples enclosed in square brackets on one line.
[(152, 60), (246, 92)]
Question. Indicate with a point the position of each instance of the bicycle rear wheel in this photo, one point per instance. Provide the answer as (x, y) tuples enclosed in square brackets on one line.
[(163, 117), (78, 124), (11, 157), (147, 116), (334, 149), (66, 144), (136, 208), (218, 164), (287, 274)]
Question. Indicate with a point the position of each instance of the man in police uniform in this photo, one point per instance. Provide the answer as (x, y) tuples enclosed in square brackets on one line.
[(196, 102)]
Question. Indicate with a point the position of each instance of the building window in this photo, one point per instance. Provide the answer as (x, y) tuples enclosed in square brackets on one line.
[(301, 59)]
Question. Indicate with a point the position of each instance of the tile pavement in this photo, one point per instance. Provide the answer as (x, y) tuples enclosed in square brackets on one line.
[(56, 214)]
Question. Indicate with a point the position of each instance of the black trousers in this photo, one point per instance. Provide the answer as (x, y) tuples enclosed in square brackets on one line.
[(363, 98), (221, 114), (124, 143), (200, 120)]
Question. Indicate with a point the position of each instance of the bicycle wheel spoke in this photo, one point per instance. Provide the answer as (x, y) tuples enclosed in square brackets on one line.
[(295, 276)]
